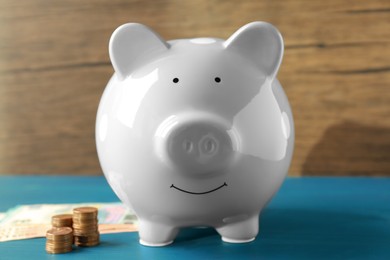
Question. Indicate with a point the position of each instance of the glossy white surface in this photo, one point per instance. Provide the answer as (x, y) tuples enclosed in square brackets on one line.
[(195, 132)]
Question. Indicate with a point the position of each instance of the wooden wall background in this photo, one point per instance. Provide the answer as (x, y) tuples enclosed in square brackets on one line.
[(54, 66)]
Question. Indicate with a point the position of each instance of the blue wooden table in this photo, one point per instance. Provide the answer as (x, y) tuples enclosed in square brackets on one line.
[(310, 218)]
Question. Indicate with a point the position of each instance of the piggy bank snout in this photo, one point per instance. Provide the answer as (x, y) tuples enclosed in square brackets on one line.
[(198, 146)]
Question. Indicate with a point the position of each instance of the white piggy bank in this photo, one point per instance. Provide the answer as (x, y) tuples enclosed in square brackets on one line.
[(195, 132)]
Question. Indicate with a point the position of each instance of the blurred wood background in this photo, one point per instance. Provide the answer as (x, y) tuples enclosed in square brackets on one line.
[(54, 66)]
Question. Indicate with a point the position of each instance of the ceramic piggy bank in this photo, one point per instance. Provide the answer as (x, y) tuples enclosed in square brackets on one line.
[(195, 132)]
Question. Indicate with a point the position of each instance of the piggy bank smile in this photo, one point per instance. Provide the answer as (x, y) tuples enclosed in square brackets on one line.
[(199, 193)]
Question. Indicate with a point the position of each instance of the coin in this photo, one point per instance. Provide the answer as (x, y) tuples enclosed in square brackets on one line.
[(58, 233), (83, 233), (85, 221), (58, 251), (59, 246), (86, 227), (85, 211), (63, 220)]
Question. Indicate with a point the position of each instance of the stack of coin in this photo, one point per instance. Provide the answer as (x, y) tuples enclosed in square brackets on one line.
[(59, 240), (63, 220), (85, 226)]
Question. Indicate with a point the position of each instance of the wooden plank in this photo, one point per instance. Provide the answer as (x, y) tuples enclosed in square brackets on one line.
[(48, 126), (54, 66)]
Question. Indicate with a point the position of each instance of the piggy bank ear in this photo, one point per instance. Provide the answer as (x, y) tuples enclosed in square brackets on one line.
[(259, 42), (132, 45)]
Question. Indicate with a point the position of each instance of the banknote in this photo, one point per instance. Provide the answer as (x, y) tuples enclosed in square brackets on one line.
[(29, 221), (2, 215), (109, 213)]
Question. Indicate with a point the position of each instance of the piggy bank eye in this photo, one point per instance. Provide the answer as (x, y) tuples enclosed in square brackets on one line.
[(175, 80), (217, 79)]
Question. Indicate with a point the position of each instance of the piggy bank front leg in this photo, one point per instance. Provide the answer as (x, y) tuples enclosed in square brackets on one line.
[(156, 234), (239, 229)]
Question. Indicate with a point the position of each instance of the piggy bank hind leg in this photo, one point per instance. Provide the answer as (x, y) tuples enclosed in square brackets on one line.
[(156, 234), (237, 230)]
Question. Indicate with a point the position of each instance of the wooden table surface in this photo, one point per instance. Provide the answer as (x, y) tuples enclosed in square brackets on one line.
[(54, 66)]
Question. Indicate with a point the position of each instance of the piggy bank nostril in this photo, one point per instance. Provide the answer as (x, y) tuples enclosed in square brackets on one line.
[(208, 145), (188, 146)]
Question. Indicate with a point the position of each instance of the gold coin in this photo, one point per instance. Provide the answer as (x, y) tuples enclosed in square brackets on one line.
[(87, 238), (63, 220), (59, 246), (86, 244), (85, 211), (59, 239), (76, 226), (84, 216), (58, 251), (83, 220), (91, 228), (59, 233), (84, 232), (85, 224), (77, 242), (62, 217)]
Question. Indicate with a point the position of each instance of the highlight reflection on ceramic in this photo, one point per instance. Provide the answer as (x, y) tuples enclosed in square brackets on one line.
[(195, 132)]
